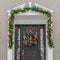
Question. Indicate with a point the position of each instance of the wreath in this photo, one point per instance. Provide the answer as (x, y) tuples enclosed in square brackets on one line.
[(30, 38)]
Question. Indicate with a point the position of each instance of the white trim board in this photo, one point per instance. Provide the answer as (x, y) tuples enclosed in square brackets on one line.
[(10, 52)]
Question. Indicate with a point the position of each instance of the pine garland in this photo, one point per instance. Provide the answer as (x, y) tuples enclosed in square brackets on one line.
[(25, 9)]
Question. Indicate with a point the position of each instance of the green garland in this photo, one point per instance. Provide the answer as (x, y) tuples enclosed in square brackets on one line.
[(25, 9)]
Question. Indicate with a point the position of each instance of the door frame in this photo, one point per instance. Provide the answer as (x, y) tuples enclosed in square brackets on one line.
[(42, 29), (10, 52)]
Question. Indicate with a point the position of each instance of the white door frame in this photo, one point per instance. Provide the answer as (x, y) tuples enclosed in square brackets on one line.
[(10, 52)]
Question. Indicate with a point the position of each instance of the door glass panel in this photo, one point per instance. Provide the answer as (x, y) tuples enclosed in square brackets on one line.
[(18, 46), (42, 45)]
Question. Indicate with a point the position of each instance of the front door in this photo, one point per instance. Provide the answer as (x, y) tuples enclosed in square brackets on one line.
[(30, 42)]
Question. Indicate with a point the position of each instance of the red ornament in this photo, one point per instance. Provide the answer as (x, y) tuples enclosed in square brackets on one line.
[(10, 17), (35, 42), (46, 31), (10, 44), (24, 37), (49, 35), (9, 35), (30, 31), (36, 36)]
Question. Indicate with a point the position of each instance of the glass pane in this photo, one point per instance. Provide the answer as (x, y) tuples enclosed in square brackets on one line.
[(18, 44), (41, 44)]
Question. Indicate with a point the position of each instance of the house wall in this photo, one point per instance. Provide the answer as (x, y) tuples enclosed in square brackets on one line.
[(9, 4)]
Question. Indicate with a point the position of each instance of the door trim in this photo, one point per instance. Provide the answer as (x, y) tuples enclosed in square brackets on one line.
[(10, 52)]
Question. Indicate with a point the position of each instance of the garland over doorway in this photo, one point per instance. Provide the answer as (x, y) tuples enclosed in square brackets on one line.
[(34, 9)]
